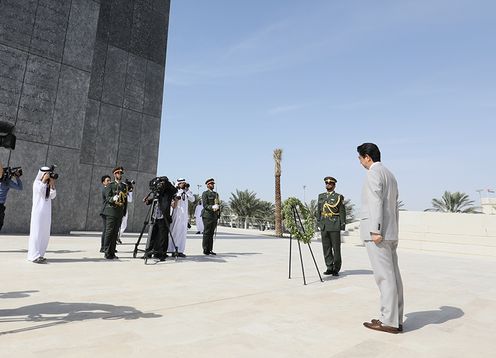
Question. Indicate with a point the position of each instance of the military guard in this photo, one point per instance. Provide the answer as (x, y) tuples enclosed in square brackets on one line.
[(331, 219), (114, 209), (210, 216)]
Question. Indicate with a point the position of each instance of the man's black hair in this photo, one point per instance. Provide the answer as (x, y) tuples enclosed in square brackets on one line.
[(105, 177), (371, 150)]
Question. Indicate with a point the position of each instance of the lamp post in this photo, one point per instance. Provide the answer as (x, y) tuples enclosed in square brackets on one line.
[(304, 200), (198, 186)]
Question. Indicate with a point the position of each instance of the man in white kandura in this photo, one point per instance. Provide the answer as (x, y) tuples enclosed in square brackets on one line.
[(198, 218), (379, 232), (179, 226), (41, 214)]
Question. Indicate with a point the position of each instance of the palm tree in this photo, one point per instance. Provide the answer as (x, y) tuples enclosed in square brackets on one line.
[(278, 206), (245, 205), (456, 202)]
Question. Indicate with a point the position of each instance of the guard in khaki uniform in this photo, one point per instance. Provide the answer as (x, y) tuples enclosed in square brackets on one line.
[(210, 216), (331, 219)]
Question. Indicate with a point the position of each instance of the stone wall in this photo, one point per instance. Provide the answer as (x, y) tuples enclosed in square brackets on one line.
[(82, 80)]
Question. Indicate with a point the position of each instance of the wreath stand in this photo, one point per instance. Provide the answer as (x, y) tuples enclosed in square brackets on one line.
[(297, 220)]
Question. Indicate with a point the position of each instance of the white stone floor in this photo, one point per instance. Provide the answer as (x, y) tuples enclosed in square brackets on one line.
[(237, 304)]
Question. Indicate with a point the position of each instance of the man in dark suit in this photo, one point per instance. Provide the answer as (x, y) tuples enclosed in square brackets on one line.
[(210, 216), (331, 219), (105, 181)]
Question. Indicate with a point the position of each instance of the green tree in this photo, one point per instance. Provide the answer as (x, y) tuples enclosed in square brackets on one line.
[(456, 202)]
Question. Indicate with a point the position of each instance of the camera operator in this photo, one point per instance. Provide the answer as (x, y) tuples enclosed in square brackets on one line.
[(179, 227), (158, 233), (41, 214), (6, 183), (114, 209)]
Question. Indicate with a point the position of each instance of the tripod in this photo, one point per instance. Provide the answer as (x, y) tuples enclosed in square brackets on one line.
[(150, 219), (298, 222)]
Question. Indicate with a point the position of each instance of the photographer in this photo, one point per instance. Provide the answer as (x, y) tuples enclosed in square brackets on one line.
[(130, 188), (6, 183), (105, 181), (179, 227), (41, 214), (158, 233)]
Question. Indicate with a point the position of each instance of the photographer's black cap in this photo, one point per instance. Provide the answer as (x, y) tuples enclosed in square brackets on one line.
[(210, 180), (117, 169)]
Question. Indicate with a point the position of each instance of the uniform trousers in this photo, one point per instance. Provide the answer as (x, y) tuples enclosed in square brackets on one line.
[(331, 244), (384, 262), (208, 234), (112, 226)]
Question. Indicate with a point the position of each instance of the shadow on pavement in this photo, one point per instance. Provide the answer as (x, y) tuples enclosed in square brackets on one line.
[(55, 313), (417, 320), (355, 272), (17, 294), (48, 251)]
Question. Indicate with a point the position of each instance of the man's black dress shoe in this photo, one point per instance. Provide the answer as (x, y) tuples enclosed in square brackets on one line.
[(328, 272), (181, 254), (212, 253), (206, 253), (335, 273)]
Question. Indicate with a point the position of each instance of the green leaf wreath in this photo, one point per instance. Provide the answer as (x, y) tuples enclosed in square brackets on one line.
[(306, 217)]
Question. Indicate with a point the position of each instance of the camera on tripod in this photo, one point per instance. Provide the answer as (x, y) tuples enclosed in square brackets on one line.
[(51, 171), (9, 172), (158, 184)]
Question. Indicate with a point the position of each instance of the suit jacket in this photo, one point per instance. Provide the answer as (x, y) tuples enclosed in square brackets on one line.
[(379, 211), (337, 221)]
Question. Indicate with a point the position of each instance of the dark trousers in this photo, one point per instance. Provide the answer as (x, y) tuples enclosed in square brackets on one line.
[(208, 234), (2, 215), (331, 244), (104, 221), (158, 239), (112, 226)]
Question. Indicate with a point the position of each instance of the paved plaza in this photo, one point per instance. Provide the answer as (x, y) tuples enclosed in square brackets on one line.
[(239, 303)]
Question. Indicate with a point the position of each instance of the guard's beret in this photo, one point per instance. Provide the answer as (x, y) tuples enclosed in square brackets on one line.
[(117, 169), (210, 180), (330, 180)]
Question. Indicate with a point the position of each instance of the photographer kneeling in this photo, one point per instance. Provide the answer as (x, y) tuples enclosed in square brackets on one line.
[(161, 195), (6, 183)]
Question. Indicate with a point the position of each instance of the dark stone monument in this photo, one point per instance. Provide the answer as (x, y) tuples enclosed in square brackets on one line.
[(82, 80)]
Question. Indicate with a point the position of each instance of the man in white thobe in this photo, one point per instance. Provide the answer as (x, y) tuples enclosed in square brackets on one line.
[(198, 218), (41, 215), (179, 225)]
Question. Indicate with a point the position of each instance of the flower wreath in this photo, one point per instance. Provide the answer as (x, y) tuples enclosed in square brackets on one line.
[(307, 220)]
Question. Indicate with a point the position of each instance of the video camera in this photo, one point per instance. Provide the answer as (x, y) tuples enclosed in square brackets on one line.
[(9, 172), (7, 138), (158, 184), (130, 184)]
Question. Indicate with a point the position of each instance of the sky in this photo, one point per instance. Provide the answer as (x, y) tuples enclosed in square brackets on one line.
[(317, 78)]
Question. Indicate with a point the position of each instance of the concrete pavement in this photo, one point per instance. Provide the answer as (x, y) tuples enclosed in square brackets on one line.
[(239, 303)]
